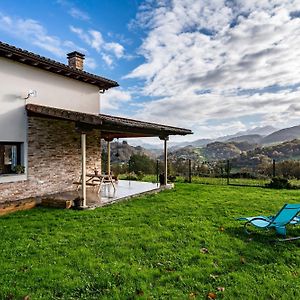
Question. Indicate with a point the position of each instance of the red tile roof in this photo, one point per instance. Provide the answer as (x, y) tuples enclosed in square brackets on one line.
[(34, 60), (110, 126)]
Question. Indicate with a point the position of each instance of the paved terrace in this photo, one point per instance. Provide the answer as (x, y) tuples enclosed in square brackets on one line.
[(124, 189)]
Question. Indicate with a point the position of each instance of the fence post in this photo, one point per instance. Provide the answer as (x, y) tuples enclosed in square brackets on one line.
[(157, 171), (190, 171), (228, 171), (274, 168)]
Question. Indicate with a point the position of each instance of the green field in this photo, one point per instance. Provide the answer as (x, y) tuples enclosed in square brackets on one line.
[(178, 244)]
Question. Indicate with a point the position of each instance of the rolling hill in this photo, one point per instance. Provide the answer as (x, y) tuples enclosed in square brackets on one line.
[(283, 135), (250, 138)]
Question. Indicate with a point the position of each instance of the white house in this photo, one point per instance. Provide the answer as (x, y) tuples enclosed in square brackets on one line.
[(50, 126)]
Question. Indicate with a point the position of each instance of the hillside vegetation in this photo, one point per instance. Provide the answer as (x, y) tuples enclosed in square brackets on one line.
[(245, 150), (122, 151), (240, 151)]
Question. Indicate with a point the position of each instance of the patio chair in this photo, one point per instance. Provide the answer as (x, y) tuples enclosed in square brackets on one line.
[(287, 215)]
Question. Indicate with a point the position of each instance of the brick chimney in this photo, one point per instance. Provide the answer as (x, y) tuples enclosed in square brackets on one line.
[(75, 60)]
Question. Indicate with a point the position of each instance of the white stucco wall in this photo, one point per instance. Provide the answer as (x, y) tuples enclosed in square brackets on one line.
[(16, 79)]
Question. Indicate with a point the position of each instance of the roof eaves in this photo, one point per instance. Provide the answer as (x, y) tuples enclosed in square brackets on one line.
[(137, 123), (107, 122), (29, 58)]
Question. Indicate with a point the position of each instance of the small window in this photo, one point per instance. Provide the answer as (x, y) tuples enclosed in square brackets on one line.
[(10, 158)]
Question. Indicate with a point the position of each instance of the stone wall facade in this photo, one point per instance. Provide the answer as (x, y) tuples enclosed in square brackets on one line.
[(54, 159)]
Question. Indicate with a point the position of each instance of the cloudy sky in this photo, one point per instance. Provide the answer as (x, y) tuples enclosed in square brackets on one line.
[(214, 66)]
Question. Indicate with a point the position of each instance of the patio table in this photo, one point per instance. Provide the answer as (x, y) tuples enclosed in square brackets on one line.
[(93, 179)]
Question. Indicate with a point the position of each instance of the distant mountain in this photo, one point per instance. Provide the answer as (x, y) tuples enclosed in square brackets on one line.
[(245, 146), (220, 151), (286, 134), (147, 146), (241, 151), (196, 143), (188, 152), (253, 135), (244, 154), (260, 156), (265, 135), (264, 130), (250, 138), (283, 151), (226, 150), (121, 152)]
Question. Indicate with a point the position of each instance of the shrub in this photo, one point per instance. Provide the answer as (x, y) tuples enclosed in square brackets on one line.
[(140, 175), (279, 183), (171, 178), (131, 176)]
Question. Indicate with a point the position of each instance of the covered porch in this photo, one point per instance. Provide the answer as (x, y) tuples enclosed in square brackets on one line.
[(110, 127)]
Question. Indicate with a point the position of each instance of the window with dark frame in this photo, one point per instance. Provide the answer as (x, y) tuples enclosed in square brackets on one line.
[(10, 157)]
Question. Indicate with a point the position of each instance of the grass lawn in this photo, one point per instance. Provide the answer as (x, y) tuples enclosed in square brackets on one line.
[(153, 247)]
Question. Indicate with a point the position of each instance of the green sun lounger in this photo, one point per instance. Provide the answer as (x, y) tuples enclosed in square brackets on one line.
[(287, 215)]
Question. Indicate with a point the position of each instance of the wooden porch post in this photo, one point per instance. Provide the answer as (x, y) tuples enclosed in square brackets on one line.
[(83, 168), (108, 157), (100, 162), (165, 139), (108, 140)]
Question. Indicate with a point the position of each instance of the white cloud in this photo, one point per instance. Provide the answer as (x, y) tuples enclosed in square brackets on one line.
[(107, 58), (113, 99), (71, 45), (79, 14), (74, 11), (92, 37), (36, 34), (116, 48), (95, 40), (32, 30), (213, 60), (217, 130), (90, 63)]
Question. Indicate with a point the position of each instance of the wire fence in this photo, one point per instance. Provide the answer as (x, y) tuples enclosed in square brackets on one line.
[(229, 172)]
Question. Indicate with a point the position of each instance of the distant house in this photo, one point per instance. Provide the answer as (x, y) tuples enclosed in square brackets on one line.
[(50, 123)]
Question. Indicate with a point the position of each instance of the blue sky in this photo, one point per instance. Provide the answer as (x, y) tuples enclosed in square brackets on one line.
[(214, 66)]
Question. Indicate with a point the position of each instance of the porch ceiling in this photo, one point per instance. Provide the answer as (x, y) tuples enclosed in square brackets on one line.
[(110, 126)]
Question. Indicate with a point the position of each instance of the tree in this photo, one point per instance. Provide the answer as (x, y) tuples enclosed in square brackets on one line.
[(141, 163)]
